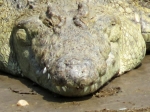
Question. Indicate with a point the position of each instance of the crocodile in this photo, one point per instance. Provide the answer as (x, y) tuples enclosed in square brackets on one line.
[(72, 47)]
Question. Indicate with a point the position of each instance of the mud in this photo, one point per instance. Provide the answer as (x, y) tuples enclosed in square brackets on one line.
[(127, 93)]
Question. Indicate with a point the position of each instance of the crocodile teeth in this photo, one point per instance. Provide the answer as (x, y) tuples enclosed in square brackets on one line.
[(92, 87), (64, 88), (96, 85), (22, 74), (137, 18), (58, 88), (49, 76), (44, 70), (85, 89)]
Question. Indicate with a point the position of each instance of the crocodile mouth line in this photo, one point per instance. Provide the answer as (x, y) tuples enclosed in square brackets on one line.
[(67, 89), (83, 90)]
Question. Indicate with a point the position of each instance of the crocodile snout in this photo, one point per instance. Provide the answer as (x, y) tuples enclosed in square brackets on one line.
[(75, 73), (76, 76)]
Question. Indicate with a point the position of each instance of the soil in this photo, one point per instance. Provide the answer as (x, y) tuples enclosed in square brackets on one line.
[(127, 93)]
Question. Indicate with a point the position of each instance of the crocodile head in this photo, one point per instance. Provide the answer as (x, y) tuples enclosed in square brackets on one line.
[(65, 51)]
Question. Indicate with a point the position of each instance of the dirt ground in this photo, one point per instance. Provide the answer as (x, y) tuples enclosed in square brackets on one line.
[(127, 93)]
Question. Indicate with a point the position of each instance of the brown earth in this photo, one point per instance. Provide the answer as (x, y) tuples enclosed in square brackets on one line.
[(129, 93)]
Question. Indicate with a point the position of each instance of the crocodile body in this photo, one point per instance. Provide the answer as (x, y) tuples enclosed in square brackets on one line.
[(72, 47)]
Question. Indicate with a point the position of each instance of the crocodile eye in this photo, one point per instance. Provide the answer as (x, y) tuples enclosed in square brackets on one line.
[(52, 13), (47, 22), (53, 17)]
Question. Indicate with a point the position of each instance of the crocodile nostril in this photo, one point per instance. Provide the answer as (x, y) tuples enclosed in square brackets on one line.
[(75, 73)]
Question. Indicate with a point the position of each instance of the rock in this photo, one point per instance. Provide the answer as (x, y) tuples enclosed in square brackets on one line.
[(22, 103)]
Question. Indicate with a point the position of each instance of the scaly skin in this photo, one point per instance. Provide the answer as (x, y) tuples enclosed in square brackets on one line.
[(72, 47)]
